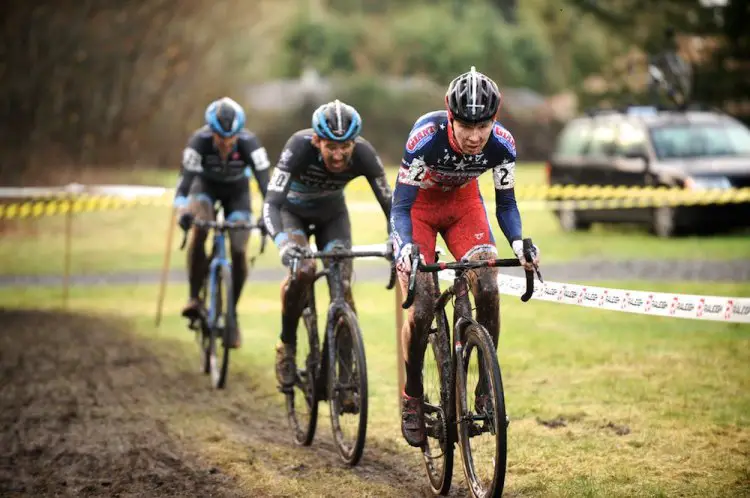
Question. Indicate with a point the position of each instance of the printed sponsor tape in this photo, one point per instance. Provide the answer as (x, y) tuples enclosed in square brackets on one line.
[(716, 308), (672, 305)]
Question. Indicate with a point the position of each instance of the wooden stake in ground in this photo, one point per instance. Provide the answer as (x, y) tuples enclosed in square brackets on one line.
[(165, 266), (399, 348)]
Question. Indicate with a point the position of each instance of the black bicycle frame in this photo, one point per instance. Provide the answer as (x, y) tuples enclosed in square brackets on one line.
[(336, 285)]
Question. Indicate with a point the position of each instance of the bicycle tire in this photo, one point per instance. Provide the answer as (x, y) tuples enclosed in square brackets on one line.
[(439, 418), (305, 384), (477, 338), (345, 324), (222, 335), (202, 336)]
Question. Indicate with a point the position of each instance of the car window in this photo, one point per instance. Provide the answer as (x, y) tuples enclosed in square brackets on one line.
[(573, 139), (700, 140), (630, 139), (602, 140)]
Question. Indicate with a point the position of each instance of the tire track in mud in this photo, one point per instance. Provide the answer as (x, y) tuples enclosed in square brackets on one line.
[(89, 409)]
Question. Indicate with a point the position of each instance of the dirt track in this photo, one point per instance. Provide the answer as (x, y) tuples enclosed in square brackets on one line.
[(89, 409)]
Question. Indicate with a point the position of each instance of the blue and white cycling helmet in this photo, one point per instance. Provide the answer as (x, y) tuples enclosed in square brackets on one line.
[(225, 117), (336, 121)]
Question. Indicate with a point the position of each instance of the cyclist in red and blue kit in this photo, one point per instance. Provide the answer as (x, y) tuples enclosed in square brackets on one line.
[(437, 191)]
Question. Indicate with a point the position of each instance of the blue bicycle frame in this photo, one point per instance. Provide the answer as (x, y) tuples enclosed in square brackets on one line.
[(219, 260)]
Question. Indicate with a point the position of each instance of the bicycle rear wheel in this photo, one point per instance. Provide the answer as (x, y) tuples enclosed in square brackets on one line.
[(438, 407), (223, 327), (347, 386), (203, 336), (302, 400), (482, 430)]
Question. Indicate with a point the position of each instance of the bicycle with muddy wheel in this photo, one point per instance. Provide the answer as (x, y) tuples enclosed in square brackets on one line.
[(215, 326), (451, 374), (337, 372)]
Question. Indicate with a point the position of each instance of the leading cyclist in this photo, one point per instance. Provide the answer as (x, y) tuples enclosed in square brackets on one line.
[(437, 191)]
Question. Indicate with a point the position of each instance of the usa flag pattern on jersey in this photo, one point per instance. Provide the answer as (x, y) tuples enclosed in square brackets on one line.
[(431, 164)]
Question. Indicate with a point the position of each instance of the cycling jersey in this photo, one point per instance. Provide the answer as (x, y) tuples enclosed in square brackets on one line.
[(303, 186), (201, 159), (437, 190)]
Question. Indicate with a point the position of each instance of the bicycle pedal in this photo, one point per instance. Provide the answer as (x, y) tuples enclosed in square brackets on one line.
[(285, 389)]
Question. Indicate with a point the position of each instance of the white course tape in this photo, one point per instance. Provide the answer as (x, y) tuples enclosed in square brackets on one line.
[(123, 191), (717, 308)]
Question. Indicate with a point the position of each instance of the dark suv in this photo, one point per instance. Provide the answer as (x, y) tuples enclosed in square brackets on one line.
[(640, 146)]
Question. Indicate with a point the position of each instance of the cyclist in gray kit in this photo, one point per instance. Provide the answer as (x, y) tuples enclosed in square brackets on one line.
[(307, 188)]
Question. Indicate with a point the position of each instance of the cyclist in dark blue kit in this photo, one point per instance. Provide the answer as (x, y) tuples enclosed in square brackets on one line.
[(437, 191), (216, 166)]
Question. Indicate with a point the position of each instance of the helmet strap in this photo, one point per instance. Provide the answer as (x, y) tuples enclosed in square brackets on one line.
[(452, 136)]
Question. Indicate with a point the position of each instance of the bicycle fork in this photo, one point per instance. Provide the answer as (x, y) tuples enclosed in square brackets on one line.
[(461, 319)]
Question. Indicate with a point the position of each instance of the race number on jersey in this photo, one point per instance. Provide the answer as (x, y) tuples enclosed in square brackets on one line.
[(504, 175)]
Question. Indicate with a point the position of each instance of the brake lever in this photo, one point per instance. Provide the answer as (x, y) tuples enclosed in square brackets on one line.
[(293, 268), (412, 277), (538, 273), (528, 254), (184, 239), (392, 279)]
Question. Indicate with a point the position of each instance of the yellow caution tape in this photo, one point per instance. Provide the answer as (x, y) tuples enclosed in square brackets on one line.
[(577, 197), (78, 204)]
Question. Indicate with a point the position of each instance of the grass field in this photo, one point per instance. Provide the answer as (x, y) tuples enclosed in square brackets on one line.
[(645, 406), (651, 406), (135, 239)]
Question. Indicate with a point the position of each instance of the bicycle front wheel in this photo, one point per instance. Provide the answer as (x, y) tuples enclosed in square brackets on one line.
[(302, 399), (347, 386), (482, 429), (223, 327)]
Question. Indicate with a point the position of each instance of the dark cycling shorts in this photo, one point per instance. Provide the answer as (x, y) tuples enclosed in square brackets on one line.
[(233, 196), (332, 229)]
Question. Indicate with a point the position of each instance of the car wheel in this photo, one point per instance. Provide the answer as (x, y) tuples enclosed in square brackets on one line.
[(570, 221), (664, 222)]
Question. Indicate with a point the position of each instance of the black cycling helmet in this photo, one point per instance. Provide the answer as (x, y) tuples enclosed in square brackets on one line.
[(472, 97), (337, 121)]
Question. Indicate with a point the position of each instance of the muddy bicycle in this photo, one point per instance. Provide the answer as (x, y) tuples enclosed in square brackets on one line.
[(215, 326), (450, 375), (337, 372)]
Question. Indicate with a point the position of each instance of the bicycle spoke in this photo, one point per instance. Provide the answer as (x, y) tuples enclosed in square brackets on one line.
[(302, 404), (438, 450), (348, 388), (481, 426)]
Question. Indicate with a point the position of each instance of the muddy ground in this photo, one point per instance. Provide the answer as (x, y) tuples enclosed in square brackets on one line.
[(89, 409)]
